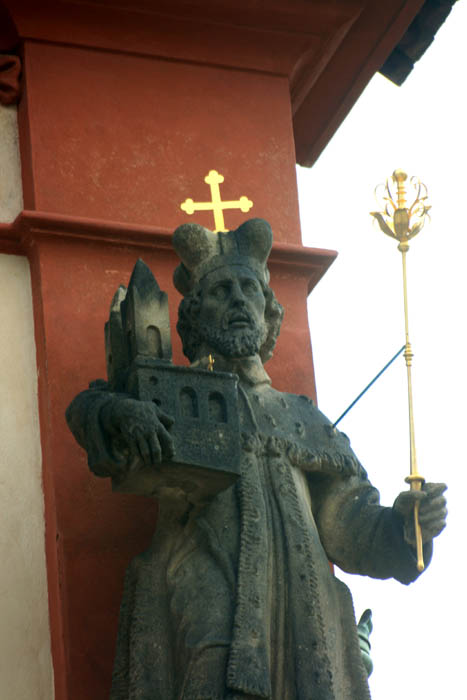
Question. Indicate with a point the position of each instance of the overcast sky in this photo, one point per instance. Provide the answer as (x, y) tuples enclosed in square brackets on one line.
[(356, 320)]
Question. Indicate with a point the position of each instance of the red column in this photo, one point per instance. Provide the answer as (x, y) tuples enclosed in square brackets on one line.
[(111, 145), (115, 134)]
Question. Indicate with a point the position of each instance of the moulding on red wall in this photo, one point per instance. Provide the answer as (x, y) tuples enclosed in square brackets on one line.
[(33, 225)]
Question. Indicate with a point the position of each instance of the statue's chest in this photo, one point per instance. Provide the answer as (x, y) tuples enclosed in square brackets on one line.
[(275, 414), (292, 426)]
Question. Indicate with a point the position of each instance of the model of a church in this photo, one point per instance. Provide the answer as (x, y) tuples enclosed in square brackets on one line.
[(203, 403)]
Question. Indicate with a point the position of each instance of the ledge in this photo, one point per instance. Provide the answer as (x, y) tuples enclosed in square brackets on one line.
[(32, 226)]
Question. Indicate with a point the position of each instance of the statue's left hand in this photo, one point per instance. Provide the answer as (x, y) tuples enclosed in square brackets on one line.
[(139, 429), (432, 511)]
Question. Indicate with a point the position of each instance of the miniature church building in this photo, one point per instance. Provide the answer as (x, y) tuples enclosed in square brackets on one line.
[(145, 317), (139, 352), (138, 329)]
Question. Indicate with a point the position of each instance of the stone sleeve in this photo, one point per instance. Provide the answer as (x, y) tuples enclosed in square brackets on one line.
[(358, 534), (83, 416)]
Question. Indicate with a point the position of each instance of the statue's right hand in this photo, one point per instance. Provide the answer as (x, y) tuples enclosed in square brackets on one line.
[(139, 429)]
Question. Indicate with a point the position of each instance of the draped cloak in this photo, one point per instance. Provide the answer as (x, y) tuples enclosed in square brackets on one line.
[(237, 599)]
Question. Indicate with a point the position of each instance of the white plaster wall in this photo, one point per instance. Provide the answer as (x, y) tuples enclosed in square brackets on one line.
[(25, 657), (11, 192)]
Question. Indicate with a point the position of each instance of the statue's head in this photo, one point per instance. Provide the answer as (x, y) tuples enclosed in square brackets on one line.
[(228, 305)]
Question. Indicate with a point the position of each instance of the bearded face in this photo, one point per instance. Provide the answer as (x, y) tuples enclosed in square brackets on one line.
[(239, 344), (231, 316)]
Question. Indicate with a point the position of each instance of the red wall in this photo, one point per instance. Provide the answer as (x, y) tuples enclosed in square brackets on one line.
[(129, 138), (111, 144)]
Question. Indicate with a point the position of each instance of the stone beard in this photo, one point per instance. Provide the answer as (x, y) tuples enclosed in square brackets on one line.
[(242, 343)]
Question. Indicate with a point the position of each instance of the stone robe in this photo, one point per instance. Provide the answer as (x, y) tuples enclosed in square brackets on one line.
[(237, 599)]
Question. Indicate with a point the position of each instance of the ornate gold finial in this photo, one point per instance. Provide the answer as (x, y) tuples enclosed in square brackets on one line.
[(399, 177), (216, 205), (402, 224), (396, 220), (211, 361)]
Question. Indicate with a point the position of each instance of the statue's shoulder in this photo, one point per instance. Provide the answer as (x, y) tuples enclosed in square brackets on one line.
[(314, 438), (296, 407)]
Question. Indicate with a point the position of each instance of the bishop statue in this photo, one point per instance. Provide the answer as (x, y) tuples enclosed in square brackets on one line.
[(235, 598)]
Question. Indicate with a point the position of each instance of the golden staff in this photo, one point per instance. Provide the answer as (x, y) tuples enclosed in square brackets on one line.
[(402, 224)]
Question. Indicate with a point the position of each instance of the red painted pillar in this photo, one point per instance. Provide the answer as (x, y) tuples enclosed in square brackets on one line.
[(115, 135)]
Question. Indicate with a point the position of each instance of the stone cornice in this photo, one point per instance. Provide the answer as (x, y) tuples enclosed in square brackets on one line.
[(32, 226)]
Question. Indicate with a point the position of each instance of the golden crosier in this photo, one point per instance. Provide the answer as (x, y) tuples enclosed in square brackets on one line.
[(402, 224)]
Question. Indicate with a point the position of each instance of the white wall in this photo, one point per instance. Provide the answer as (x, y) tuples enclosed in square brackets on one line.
[(11, 194), (25, 658)]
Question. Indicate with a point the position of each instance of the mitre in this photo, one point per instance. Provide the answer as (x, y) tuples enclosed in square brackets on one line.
[(201, 251)]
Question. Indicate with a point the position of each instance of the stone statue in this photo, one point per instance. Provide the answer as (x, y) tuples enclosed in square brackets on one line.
[(235, 598)]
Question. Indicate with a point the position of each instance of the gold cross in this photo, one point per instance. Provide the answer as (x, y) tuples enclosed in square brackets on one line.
[(216, 205)]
